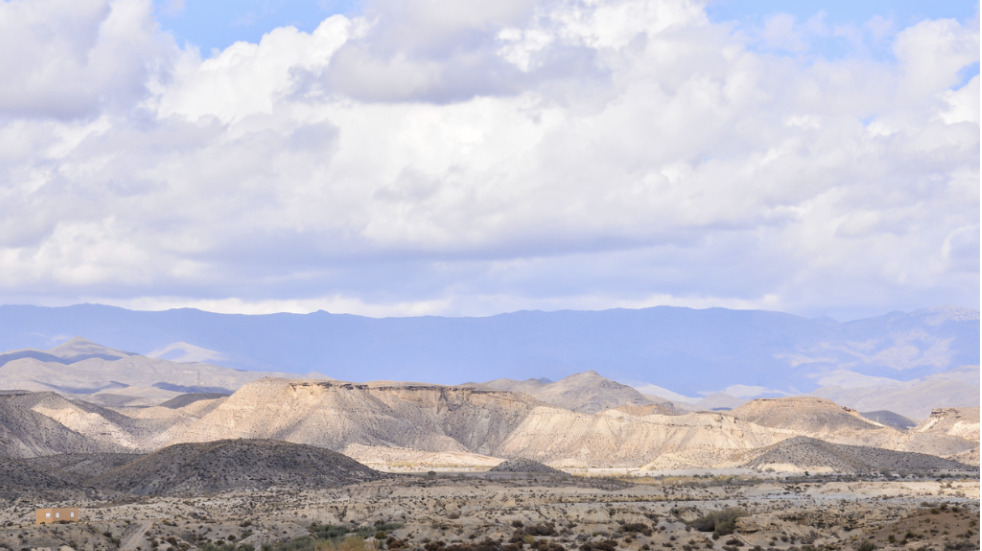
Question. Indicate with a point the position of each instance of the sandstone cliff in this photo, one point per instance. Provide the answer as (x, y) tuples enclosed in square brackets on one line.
[(334, 415)]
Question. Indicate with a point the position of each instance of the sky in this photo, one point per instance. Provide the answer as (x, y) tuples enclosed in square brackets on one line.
[(414, 157)]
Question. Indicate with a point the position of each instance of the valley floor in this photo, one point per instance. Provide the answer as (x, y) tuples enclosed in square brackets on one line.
[(460, 513)]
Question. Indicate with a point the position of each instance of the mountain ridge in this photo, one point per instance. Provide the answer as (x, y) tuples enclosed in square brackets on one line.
[(678, 348), (586, 392), (581, 421), (462, 423)]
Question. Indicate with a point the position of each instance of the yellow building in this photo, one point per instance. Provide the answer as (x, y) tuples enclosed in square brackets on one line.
[(56, 514)]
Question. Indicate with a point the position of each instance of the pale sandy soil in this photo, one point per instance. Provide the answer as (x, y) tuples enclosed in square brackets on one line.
[(405, 460), (778, 514)]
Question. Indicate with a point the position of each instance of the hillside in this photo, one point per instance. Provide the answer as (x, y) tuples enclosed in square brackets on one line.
[(804, 415), (889, 419), (960, 422), (397, 424), (584, 420), (586, 392), (36, 424), (825, 420), (110, 377), (335, 414), (801, 454), (914, 398), (651, 409), (71, 351), (234, 465), (615, 438), (18, 478), (435, 418), (949, 423), (75, 469)]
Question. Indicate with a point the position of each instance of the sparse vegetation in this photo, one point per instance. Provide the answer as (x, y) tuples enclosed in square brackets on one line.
[(720, 523)]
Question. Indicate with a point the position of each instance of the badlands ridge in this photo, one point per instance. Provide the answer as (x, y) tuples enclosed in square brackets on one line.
[(115, 402), (173, 456)]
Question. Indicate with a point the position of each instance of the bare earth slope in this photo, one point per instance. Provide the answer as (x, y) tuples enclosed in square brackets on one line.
[(110, 377), (954, 422), (234, 465), (590, 420), (825, 420), (808, 454), (961, 422), (586, 392), (914, 399), (616, 438), (463, 425), (72, 351), (334, 415), (34, 424), (889, 419), (803, 414)]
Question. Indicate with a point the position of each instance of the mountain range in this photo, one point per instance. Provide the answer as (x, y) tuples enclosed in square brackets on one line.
[(703, 359), (583, 421), (108, 376)]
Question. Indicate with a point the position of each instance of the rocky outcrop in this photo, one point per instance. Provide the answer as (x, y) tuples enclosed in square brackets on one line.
[(947, 423), (960, 422)]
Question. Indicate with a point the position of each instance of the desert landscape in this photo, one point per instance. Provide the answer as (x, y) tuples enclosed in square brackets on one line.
[(531, 508), (520, 275), (582, 463)]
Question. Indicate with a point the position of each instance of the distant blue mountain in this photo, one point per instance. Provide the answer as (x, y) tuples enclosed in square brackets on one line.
[(686, 350)]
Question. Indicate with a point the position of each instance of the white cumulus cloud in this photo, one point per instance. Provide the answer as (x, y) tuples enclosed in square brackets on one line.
[(427, 159)]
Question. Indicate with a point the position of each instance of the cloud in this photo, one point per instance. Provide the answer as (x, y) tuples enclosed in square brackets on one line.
[(421, 158), (70, 59), (172, 7), (932, 53)]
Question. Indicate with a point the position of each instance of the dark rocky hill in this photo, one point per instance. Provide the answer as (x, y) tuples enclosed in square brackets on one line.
[(78, 468), (19, 479), (234, 465)]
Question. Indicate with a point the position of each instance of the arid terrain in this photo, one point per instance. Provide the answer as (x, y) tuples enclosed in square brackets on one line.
[(583, 463), (531, 511)]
